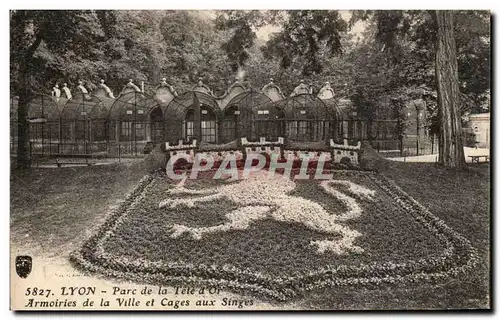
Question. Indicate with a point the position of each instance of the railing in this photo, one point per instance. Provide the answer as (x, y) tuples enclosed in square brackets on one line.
[(380, 134)]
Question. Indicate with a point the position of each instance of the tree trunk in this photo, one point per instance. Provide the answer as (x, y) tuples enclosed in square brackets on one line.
[(451, 151), (23, 158)]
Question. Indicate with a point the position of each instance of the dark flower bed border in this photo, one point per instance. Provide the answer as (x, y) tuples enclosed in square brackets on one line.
[(459, 257)]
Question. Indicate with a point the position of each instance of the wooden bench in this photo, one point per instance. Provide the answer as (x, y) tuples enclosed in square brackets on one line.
[(86, 161), (475, 159), (69, 159)]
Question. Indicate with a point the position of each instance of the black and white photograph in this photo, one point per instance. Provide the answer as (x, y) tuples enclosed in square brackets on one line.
[(250, 160)]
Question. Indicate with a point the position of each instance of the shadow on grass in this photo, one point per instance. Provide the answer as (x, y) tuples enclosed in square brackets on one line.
[(53, 209)]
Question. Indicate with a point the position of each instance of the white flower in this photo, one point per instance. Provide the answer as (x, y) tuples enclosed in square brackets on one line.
[(260, 197)]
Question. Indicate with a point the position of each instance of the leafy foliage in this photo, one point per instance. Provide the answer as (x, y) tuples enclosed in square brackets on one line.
[(397, 60), (307, 35), (242, 26), (44, 43)]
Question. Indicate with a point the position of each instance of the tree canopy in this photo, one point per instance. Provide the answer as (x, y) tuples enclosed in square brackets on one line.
[(391, 59), (394, 56)]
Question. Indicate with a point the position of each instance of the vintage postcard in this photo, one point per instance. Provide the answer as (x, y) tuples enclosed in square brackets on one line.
[(250, 160)]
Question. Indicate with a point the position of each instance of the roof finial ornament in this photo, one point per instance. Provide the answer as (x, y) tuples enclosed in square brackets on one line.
[(66, 91), (131, 84), (81, 87), (106, 89), (164, 84), (55, 91), (302, 88), (272, 91), (326, 92)]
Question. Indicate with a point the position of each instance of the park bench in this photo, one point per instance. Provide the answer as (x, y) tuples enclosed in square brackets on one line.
[(83, 159), (476, 158), (70, 159), (87, 161)]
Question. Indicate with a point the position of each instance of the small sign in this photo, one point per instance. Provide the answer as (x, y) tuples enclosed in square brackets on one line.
[(140, 111), (260, 111), (129, 111), (84, 113), (302, 111), (237, 112), (204, 112), (265, 111)]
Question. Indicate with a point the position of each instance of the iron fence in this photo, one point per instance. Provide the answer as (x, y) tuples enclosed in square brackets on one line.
[(127, 126)]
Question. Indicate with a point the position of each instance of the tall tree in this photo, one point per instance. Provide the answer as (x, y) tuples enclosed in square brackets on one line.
[(451, 148), (40, 40), (429, 43)]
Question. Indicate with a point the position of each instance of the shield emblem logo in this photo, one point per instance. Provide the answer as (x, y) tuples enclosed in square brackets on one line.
[(23, 266)]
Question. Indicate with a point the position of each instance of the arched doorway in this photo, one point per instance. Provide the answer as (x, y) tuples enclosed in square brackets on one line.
[(129, 122), (156, 118), (44, 124), (230, 124), (181, 122), (253, 115), (307, 118), (208, 125)]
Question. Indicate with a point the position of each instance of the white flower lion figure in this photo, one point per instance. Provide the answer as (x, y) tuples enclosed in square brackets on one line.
[(261, 197)]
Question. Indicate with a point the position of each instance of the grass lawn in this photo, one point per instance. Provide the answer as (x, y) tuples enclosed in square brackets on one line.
[(55, 209)]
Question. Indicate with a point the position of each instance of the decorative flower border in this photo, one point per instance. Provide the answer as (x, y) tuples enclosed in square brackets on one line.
[(459, 257)]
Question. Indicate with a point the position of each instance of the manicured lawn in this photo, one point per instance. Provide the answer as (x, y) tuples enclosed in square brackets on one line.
[(54, 210)]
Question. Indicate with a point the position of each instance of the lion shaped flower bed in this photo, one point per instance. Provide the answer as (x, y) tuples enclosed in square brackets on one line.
[(274, 236)]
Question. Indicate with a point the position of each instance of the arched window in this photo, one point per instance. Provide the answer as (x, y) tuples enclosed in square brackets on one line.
[(44, 123), (182, 123), (254, 115), (307, 118), (208, 125), (129, 121)]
